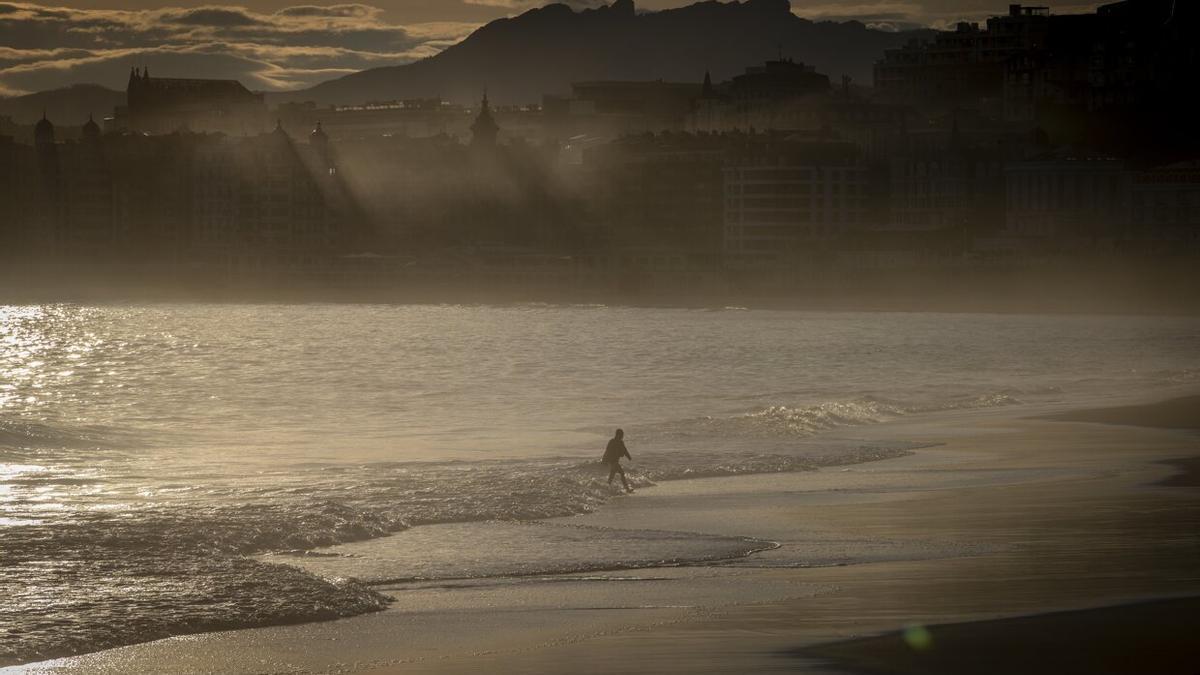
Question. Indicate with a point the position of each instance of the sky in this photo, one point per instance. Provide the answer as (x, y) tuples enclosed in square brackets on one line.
[(281, 44)]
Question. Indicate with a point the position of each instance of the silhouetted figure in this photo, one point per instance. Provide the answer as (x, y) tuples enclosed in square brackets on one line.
[(612, 457)]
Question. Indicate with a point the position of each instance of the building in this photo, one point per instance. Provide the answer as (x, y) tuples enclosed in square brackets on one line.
[(1067, 202), (1165, 208), (654, 191), (268, 200), (610, 109), (177, 200), (788, 200), (777, 95), (1120, 81), (966, 65), (161, 105), (484, 129), (951, 177)]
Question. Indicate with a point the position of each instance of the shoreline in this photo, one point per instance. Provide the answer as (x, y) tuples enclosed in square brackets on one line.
[(557, 621)]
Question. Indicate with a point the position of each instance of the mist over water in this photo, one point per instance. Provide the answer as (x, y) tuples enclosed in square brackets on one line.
[(147, 451)]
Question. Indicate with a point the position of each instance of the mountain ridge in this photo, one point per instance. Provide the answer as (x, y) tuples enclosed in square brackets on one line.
[(66, 105), (541, 51)]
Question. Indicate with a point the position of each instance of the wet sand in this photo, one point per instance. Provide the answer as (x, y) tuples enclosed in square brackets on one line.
[(1004, 517), (1176, 413), (1149, 637)]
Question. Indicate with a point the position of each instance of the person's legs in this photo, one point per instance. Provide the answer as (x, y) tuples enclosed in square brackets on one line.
[(624, 482), (612, 471)]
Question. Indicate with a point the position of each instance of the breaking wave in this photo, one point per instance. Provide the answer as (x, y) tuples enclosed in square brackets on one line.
[(179, 554)]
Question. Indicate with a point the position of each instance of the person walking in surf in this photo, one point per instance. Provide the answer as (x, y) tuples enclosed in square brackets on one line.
[(612, 457)]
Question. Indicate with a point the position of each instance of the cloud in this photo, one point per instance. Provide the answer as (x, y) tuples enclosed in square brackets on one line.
[(291, 48), (530, 4), (217, 16), (866, 12), (336, 11)]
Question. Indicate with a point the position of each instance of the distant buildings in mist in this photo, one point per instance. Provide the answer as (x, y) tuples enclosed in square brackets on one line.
[(1031, 139)]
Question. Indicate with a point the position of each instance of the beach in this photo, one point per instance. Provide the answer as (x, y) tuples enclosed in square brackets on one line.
[(1002, 514)]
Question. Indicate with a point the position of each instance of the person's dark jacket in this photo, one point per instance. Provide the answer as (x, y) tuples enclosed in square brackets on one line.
[(615, 451)]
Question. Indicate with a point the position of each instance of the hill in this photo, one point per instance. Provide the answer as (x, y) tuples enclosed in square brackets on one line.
[(66, 106), (544, 50)]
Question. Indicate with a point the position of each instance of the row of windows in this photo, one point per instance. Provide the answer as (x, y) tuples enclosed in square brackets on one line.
[(798, 174), (794, 217), (793, 188), (758, 203)]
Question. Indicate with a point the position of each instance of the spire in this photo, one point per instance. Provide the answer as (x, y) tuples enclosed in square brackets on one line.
[(43, 131), (91, 130), (707, 90)]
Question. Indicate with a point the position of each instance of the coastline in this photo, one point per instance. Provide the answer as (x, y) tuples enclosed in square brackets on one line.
[(1008, 516)]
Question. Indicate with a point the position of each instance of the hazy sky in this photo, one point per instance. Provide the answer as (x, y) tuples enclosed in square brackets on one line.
[(282, 44)]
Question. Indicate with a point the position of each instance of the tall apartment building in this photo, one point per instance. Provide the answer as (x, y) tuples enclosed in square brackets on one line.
[(966, 64), (1067, 202), (786, 201)]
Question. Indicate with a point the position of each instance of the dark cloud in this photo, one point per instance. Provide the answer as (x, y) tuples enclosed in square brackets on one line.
[(294, 47)]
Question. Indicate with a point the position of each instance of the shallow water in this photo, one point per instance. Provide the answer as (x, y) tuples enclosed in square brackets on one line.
[(145, 451)]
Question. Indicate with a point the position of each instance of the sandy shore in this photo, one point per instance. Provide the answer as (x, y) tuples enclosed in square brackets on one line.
[(1147, 637), (1176, 413), (1006, 516)]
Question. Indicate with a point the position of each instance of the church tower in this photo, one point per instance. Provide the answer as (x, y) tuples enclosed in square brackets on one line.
[(484, 130)]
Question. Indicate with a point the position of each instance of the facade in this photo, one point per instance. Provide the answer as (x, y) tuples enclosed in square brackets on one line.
[(413, 118), (788, 201), (780, 94), (1067, 203), (268, 200), (966, 64), (948, 180), (1165, 207), (614, 108), (162, 105), (660, 191), (175, 199)]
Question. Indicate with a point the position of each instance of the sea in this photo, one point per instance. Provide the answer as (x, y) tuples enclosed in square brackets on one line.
[(163, 465)]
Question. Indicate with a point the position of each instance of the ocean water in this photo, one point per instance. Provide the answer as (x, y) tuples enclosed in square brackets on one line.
[(161, 464)]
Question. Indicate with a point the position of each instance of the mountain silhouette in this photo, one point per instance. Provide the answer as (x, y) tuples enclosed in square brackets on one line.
[(543, 50), (68, 105)]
